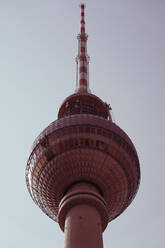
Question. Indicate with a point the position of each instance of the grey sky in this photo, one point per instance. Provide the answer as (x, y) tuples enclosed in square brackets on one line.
[(38, 47)]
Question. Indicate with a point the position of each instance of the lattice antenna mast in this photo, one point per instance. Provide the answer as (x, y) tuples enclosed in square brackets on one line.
[(82, 58)]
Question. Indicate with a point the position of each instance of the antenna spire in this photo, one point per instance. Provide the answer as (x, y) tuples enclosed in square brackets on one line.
[(82, 58)]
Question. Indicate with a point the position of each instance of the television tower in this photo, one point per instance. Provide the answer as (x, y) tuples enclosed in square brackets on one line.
[(83, 170)]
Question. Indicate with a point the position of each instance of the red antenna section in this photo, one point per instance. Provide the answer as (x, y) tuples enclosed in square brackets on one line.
[(82, 57)]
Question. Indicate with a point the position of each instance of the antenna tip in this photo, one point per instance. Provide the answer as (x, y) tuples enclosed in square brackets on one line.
[(82, 5)]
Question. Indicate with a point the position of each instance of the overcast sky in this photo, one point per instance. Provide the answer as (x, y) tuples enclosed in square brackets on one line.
[(38, 47)]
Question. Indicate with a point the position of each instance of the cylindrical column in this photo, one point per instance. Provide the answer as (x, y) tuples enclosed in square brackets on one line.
[(83, 228), (83, 217)]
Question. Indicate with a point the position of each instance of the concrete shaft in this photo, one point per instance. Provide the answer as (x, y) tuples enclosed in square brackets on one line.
[(83, 228), (83, 217)]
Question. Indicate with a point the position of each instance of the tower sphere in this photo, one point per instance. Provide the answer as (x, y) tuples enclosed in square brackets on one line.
[(83, 145)]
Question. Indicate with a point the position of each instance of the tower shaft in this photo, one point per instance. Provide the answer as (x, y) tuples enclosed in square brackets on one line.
[(82, 228), (83, 216)]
